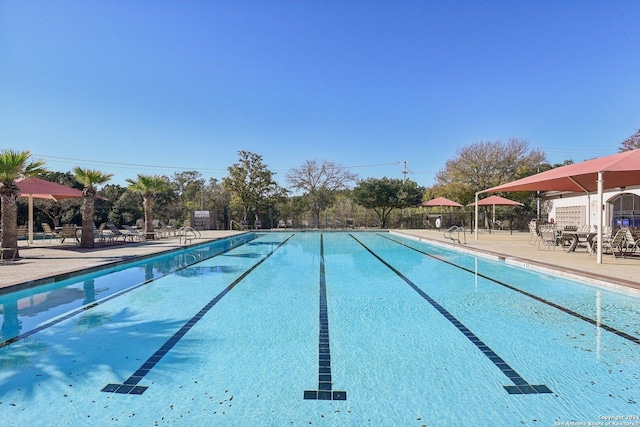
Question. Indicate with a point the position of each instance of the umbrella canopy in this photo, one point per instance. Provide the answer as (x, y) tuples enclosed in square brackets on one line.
[(36, 188), (617, 170), (440, 201), (43, 189), (496, 201)]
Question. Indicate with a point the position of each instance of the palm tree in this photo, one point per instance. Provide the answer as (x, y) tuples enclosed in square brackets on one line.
[(13, 166), (149, 187), (89, 178)]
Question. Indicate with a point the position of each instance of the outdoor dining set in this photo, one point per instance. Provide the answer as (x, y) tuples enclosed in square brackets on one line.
[(622, 243)]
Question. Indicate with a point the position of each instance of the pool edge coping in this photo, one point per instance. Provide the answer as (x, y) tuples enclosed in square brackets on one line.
[(621, 285)]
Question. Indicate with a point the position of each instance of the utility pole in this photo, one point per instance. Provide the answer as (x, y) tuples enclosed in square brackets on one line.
[(405, 171)]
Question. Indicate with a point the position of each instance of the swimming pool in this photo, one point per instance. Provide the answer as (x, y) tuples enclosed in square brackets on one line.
[(314, 328)]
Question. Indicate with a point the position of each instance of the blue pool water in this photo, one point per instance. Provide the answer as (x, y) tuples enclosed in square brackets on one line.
[(319, 329)]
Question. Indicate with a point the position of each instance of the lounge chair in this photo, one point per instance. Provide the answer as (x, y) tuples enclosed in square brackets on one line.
[(282, 224), (135, 234), (244, 224), (257, 224), (630, 242), (48, 232), (166, 230), (548, 237), (617, 243), (117, 233), (100, 234)]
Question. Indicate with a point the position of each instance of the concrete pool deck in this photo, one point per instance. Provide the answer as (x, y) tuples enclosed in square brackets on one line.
[(43, 259)]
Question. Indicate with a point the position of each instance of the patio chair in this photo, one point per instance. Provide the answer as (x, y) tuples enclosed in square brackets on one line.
[(533, 233), (22, 232), (548, 237), (48, 232), (607, 238), (69, 231), (257, 224)]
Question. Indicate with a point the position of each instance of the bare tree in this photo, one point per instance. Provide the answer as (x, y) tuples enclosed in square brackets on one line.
[(482, 165), (631, 143), (320, 181)]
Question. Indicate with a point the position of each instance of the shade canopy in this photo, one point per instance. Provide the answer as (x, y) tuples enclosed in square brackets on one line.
[(36, 188), (614, 171), (496, 201), (619, 170), (43, 189), (440, 201)]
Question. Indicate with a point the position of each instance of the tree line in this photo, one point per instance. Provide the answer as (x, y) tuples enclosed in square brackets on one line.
[(320, 193)]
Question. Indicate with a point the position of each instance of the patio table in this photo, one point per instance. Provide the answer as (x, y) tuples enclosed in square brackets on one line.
[(575, 237)]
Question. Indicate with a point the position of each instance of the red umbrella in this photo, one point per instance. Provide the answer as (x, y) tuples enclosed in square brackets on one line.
[(36, 188), (440, 201), (42, 189), (496, 201)]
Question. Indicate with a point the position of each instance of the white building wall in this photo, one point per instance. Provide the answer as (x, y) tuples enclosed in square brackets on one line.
[(588, 201)]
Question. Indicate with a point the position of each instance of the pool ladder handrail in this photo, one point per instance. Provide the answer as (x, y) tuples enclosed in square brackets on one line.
[(448, 234), (188, 234), (238, 225)]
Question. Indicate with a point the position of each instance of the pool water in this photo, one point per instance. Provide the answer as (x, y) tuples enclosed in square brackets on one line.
[(319, 328)]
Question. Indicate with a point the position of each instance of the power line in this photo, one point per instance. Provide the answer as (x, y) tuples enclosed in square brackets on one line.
[(121, 164)]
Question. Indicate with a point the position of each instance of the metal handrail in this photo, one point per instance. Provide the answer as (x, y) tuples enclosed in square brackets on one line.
[(188, 233), (237, 224), (448, 234)]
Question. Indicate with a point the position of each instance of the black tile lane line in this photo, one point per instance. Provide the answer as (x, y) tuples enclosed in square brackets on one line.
[(520, 385), (325, 384), (130, 385), (566, 310)]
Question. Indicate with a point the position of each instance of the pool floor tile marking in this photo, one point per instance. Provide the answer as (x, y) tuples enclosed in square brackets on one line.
[(520, 385), (325, 385), (566, 310), (129, 386)]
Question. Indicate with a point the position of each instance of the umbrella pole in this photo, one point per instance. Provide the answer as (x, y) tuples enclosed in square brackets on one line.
[(476, 218), (599, 219), (30, 218)]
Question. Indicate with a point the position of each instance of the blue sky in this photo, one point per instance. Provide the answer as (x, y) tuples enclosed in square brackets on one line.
[(158, 87)]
